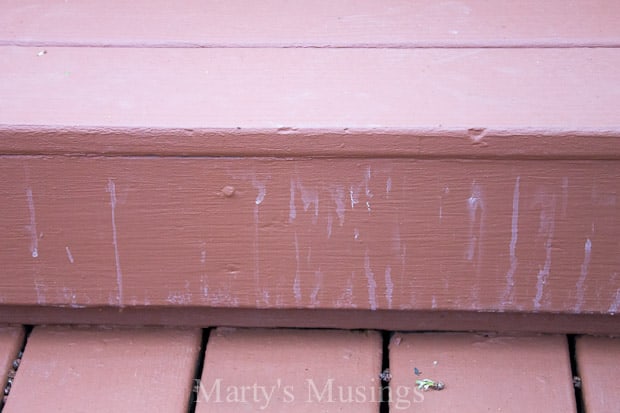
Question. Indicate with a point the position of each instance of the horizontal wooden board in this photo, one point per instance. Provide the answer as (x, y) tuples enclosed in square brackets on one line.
[(497, 91), (371, 234), (290, 370), (481, 373), (340, 23), (103, 369)]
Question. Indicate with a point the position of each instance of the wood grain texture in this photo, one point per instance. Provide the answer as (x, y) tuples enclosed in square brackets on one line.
[(103, 369), (481, 373), (341, 23), (322, 233), (497, 91), (598, 361), (291, 370)]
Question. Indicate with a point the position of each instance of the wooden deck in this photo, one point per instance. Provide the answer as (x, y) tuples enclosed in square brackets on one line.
[(348, 187), (103, 369)]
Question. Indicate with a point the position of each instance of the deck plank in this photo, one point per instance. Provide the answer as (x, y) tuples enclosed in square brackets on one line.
[(101, 369), (598, 363), (486, 90), (293, 367), (341, 23), (507, 374), (11, 340)]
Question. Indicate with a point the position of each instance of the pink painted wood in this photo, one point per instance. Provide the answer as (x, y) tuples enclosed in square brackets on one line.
[(340, 23)]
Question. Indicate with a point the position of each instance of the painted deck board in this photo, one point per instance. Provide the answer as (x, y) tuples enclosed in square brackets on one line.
[(598, 362), (11, 341), (391, 234), (311, 24), (103, 369), (480, 373), (290, 370), (476, 91)]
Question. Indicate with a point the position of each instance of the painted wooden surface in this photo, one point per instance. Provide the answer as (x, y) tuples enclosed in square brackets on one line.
[(11, 341), (324, 233), (261, 160), (539, 91), (481, 373), (291, 370), (103, 369), (598, 361), (341, 23)]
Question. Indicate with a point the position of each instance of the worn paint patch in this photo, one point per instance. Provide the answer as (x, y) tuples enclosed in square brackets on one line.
[(514, 229), (119, 273), (475, 206), (546, 227), (580, 286), (297, 280), (318, 282), (372, 283), (69, 255), (32, 228), (338, 196), (389, 285), (292, 210)]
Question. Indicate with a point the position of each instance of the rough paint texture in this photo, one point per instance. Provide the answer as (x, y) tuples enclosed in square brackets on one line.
[(366, 234), (455, 156)]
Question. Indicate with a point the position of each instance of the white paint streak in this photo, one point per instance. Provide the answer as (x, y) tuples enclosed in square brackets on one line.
[(388, 187), (474, 204), (546, 226), (318, 275), (297, 281), (292, 210), (346, 298), (564, 196), (117, 260), (260, 197), (309, 197), (389, 285), (39, 288), (69, 255), (34, 237), (356, 234), (329, 225), (434, 303), (354, 198), (372, 283), (338, 195), (510, 281), (587, 252), (615, 305), (256, 250)]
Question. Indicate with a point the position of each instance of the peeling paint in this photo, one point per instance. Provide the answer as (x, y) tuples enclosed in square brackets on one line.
[(262, 191), (69, 255), (39, 288), (117, 260), (546, 226), (356, 234), (587, 252), (388, 187), (389, 286), (32, 228), (510, 281), (615, 305), (372, 283)]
